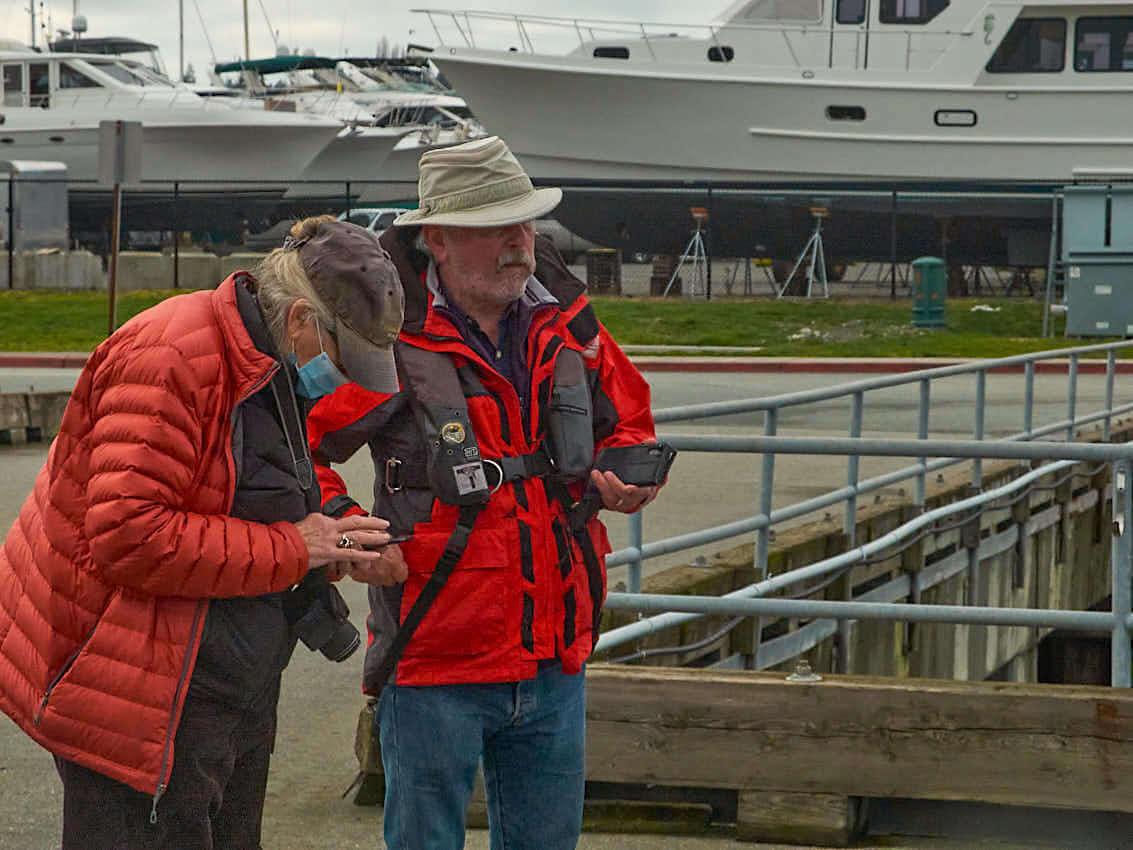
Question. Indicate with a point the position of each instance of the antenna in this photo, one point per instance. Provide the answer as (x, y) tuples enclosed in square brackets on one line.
[(271, 30), (205, 30)]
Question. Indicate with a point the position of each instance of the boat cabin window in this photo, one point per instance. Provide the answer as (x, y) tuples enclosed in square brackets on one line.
[(845, 113), (13, 85), (910, 11), (759, 11), (722, 53), (611, 53), (1103, 44), (39, 84), (73, 78), (119, 72), (850, 11), (1031, 46)]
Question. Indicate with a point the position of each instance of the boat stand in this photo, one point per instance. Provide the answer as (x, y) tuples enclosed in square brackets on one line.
[(816, 265), (696, 255)]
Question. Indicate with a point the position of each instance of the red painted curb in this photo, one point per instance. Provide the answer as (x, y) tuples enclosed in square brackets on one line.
[(43, 361)]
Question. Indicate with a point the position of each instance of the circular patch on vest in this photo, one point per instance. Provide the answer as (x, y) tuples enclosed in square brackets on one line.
[(452, 432)]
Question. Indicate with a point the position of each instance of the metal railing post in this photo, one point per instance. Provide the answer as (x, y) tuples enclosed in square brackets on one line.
[(1028, 399), (978, 434), (766, 483), (922, 434), (1071, 397), (849, 528), (1110, 371), (636, 537), (1122, 572)]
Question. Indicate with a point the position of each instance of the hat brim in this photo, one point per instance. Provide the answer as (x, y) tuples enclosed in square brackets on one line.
[(368, 365), (527, 208)]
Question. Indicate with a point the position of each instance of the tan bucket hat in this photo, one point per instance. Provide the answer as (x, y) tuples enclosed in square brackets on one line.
[(476, 184)]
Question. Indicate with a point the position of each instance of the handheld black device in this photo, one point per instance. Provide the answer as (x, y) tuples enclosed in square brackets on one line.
[(643, 465)]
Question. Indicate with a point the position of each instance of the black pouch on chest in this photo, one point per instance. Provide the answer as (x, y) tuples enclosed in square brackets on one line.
[(452, 455), (570, 419)]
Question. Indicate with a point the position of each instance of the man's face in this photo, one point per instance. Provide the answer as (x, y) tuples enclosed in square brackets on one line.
[(485, 266)]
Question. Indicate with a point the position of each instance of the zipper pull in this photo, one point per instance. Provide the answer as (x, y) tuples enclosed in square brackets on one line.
[(153, 810)]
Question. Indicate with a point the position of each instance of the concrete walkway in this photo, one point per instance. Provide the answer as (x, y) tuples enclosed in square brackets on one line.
[(314, 761)]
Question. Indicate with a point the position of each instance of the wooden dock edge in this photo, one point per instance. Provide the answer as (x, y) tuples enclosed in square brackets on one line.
[(802, 757)]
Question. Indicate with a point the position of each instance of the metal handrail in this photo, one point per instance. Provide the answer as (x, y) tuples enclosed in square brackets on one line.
[(1023, 445)]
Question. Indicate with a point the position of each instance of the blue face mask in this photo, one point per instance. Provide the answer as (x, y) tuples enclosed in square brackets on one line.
[(318, 376)]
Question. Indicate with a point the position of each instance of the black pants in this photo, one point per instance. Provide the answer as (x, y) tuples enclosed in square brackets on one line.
[(215, 799)]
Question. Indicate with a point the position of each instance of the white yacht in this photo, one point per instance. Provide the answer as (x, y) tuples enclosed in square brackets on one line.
[(403, 119), (53, 103), (228, 162), (975, 96)]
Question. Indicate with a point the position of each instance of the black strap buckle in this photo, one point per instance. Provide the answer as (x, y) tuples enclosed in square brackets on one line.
[(499, 470), (393, 481)]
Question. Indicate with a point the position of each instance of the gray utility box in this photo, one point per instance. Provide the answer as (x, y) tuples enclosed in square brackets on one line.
[(1097, 256), (38, 195)]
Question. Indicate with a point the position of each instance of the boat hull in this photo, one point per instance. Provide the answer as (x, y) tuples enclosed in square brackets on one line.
[(574, 120)]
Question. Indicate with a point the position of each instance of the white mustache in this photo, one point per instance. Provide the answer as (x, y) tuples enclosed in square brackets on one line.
[(517, 257)]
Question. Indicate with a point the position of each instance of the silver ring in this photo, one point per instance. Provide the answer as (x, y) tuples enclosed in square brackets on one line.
[(344, 542)]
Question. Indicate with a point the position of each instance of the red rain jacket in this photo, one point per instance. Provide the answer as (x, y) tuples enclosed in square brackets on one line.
[(105, 575)]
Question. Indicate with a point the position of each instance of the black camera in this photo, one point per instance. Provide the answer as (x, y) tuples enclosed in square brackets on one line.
[(643, 465), (318, 614)]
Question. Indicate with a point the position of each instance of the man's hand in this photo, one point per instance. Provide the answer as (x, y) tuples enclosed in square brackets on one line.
[(390, 568), (619, 496)]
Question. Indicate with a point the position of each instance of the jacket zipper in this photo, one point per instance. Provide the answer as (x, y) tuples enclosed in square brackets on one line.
[(170, 732), (162, 787), (58, 676)]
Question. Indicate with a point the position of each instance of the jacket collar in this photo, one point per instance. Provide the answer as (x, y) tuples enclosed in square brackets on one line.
[(248, 362), (550, 271)]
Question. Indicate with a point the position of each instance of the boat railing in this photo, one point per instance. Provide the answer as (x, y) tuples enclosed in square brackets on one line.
[(903, 48)]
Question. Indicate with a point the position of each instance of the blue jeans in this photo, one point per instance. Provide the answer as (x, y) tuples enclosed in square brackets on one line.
[(531, 736)]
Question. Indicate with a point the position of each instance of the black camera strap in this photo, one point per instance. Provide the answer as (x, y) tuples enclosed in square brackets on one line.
[(454, 549)]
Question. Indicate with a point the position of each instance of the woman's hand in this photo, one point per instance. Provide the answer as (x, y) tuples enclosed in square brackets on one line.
[(341, 540)]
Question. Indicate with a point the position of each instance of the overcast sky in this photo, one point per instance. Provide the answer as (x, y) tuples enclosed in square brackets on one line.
[(340, 27)]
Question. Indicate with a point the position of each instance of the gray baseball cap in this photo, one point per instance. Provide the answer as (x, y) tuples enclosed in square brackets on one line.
[(356, 279)]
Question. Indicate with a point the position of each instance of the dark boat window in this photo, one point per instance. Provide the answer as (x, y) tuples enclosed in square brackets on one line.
[(910, 11), (721, 54), (851, 11), (611, 53), (13, 85), (39, 85), (954, 118), (1031, 46), (1103, 44), (845, 113), (70, 78)]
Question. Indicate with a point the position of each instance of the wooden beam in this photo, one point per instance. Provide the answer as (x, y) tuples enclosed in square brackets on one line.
[(1058, 746)]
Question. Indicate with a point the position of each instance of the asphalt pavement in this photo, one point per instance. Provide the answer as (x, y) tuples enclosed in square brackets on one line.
[(314, 761)]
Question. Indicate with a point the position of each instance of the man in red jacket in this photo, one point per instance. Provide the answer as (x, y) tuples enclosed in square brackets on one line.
[(509, 388), (158, 577)]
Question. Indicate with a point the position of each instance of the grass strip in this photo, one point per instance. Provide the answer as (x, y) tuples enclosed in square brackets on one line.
[(816, 327)]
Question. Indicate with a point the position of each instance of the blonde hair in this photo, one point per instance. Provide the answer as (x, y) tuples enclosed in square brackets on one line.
[(282, 282)]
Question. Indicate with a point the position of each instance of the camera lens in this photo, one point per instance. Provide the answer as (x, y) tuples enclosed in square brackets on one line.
[(342, 643)]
